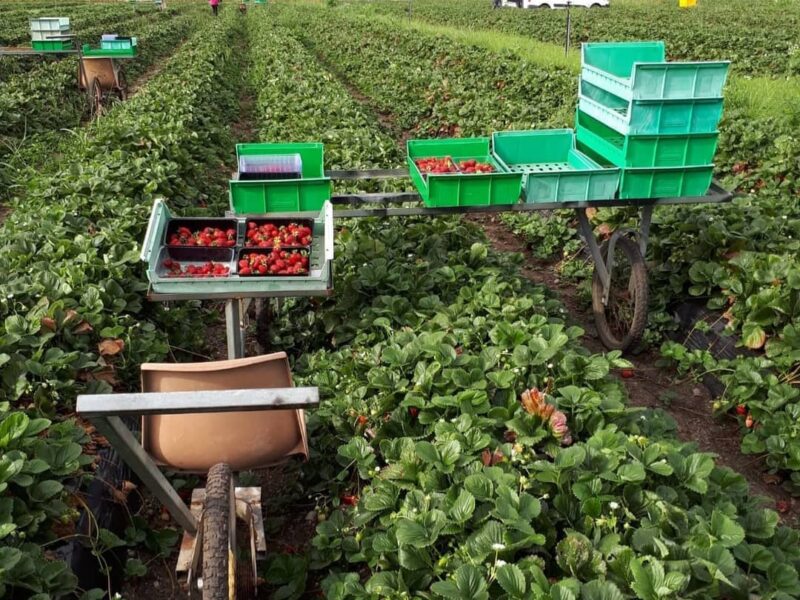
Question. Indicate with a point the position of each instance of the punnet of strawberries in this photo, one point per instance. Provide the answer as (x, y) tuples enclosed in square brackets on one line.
[(270, 235), (212, 237), (436, 165), (209, 269), (474, 166), (446, 165), (277, 262)]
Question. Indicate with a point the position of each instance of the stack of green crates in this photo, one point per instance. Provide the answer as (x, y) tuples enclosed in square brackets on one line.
[(655, 120), (45, 30)]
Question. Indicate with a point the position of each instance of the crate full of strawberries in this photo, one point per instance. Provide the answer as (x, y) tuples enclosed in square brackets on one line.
[(276, 262)]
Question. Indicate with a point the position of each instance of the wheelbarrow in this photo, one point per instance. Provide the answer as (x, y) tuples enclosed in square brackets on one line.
[(215, 418), (102, 78)]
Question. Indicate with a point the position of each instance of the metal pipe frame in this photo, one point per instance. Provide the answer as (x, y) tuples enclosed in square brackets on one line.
[(105, 410)]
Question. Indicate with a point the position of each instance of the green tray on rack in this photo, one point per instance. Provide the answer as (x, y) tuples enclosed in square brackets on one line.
[(553, 169), (640, 71), (460, 189)]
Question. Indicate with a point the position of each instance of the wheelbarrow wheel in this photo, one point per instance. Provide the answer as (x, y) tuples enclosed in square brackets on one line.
[(219, 523), (95, 94), (122, 83), (622, 319)]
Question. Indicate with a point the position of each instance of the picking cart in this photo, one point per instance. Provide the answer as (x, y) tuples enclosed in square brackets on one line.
[(277, 241), (100, 74)]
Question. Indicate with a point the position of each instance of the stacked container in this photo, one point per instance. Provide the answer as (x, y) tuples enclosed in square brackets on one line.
[(655, 120), (45, 32)]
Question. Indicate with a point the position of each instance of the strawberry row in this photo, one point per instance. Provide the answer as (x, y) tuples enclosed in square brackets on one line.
[(72, 318)]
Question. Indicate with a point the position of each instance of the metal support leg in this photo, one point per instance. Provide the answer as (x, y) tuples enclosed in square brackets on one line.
[(644, 228), (131, 451), (235, 327), (588, 235)]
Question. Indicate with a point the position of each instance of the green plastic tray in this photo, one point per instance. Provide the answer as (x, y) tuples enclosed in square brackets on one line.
[(553, 169), (119, 44), (90, 52), (649, 117), (639, 71), (52, 45), (154, 252), (455, 189), (668, 150), (638, 183), (282, 195)]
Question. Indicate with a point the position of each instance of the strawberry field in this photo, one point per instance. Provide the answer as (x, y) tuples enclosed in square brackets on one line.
[(473, 439)]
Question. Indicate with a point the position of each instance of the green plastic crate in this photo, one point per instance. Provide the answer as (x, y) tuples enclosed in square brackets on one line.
[(639, 71), (665, 182), (553, 169), (52, 45), (639, 183), (649, 117), (456, 189), (668, 150), (90, 52), (118, 44), (282, 195)]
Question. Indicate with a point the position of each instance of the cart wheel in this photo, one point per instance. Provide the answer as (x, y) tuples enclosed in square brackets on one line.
[(621, 321), (219, 523), (95, 93), (122, 83)]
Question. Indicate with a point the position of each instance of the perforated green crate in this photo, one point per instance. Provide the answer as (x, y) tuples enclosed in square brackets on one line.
[(52, 45), (308, 193), (640, 71), (553, 169), (666, 150), (646, 117), (459, 189)]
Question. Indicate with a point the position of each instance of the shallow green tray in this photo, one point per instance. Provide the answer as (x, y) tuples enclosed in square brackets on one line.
[(457, 189), (282, 195), (553, 169), (649, 117), (640, 71), (666, 150)]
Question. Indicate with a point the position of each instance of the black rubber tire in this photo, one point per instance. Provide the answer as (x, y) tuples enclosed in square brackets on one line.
[(95, 95), (122, 91), (216, 533), (637, 283)]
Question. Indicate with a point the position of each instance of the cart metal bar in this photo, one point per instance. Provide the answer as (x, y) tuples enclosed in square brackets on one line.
[(350, 174), (644, 228), (235, 327), (8, 51), (587, 233), (131, 451), (104, 411), (179, 403)]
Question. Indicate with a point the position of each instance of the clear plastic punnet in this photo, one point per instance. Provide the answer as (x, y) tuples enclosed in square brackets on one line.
[(274, 166)]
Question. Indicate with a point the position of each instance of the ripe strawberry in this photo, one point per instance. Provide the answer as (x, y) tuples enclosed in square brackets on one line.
[(741, 409), (413, 411), (362, 420), (627, 373), (349, 499)]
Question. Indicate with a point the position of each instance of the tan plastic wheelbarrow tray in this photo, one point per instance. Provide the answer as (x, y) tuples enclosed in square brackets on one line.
[(244, 440)]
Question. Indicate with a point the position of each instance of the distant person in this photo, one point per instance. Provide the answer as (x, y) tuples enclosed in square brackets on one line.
[(214, 6)]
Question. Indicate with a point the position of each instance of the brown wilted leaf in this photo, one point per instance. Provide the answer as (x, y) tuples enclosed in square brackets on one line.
[(108, 374), (604, 230), (49, 323), (591, 213), (771, 478), (110, 347), (71, 315), (82, 327), (490, 458)]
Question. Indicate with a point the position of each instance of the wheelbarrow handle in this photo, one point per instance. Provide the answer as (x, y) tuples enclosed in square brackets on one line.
[(160, 403)]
